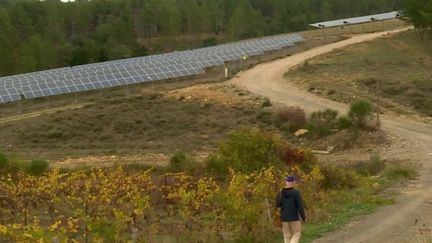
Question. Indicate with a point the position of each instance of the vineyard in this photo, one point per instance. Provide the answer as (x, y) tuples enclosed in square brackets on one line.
[(116, 205), (176, 205)]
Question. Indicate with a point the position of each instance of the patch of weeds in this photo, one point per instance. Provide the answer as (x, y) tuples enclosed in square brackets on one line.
[(398, 172), (374, 166), (321, 123)]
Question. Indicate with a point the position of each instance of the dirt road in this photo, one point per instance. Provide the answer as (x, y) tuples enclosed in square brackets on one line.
[(410, 218)]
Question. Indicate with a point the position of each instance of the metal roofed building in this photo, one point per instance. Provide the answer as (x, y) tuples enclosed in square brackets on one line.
[(358, 20)]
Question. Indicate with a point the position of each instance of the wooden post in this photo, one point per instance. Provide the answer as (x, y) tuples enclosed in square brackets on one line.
[(19, 107), (378, 122)]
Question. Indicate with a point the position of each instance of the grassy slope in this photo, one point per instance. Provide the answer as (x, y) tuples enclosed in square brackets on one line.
[(403, 64), (148, 123)]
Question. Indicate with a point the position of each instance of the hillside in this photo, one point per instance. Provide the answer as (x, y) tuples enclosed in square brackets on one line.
[(402, 65), (148, 123)]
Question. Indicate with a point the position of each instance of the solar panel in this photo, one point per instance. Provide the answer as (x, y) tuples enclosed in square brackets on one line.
[(135, 70)]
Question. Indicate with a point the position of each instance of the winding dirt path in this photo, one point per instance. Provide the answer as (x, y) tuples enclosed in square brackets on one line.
[(410, 218)]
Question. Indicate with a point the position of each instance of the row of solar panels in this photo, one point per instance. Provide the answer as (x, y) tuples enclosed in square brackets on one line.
[(135, 70), (358, 20)]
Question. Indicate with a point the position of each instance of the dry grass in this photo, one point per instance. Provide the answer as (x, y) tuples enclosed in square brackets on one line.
[(150, 123)]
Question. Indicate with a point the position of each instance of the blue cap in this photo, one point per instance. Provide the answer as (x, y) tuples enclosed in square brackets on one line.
[(290, 178)]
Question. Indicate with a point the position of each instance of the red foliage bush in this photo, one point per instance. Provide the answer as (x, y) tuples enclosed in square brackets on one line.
[(292, 156)]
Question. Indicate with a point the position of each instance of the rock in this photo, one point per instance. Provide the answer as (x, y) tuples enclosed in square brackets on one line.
[(301, 132), (320, 152)]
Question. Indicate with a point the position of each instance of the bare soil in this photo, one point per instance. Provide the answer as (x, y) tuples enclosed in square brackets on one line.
[(409, 219)]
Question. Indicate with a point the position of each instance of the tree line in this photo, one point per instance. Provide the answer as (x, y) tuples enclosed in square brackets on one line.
[(37, 35)]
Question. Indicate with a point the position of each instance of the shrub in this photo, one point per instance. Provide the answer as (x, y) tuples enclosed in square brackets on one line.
[(360, 112), (338, 177), (400, 172), (180, 161), (344, 122), (7, 165), (376, 164), (55, 134), (266, 103), (211, 41), (245, 150), (321, 122), (293, 117), (297, 157), (264, 116), (4, 162), (372, 167), (37, 167)]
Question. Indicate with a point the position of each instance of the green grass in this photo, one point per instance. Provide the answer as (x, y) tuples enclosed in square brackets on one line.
[(341, 215), (402, 64)]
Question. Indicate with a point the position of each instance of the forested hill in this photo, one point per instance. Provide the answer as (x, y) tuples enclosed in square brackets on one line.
[(36, 35)]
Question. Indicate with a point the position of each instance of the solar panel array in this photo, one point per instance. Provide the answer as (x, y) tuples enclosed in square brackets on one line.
[(358, 20), (135, 70)]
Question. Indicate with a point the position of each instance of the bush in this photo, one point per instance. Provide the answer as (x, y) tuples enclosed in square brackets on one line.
[(360, 112), (4, 162), (372, 167), (321, 122), (7, 165), (211, 41), (266, 103), (264, 116), (245, 150), (338, 177), (400, 172), (293, 117), (297, 157), (37, 167), (344, 122), (55, 134), (180, 161)]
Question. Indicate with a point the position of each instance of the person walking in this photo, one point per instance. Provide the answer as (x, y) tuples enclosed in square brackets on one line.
[(292, 212)]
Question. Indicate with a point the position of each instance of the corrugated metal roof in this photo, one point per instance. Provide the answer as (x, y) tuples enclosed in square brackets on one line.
[(358, 20)]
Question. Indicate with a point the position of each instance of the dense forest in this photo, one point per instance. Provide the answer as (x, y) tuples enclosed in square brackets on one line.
[(37, 35)]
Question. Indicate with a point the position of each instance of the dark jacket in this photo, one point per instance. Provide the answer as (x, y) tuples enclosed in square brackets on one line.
[(290, 203)]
